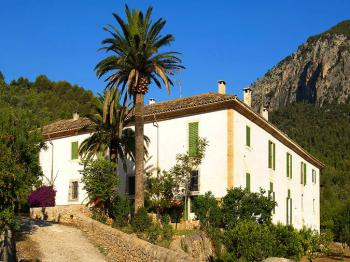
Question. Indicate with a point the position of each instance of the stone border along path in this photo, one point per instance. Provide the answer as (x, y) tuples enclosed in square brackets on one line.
[(57, 242)]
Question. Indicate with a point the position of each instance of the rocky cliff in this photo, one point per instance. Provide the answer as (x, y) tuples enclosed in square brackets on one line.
[(318, 72)]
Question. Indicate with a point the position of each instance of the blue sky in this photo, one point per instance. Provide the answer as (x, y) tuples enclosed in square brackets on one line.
[(237, 41)]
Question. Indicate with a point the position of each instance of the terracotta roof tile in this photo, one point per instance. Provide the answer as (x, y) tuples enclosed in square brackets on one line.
[(182, 106), (154, 109), (66, 125), (186, 102)]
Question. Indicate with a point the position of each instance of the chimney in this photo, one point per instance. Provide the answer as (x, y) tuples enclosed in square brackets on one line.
[(264, 113), (247, 96), (222, 87), (151, 101), (76, 115)]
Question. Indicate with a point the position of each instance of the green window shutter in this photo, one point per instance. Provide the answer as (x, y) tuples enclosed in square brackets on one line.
[(291, 211), (247, 181), (287, 211), (193, 138), (271, 195), (301, 173), (305, 174), (274, 156), (289, 208), (269, 156), (288, 165), (247, 138), (291, 166), (315, 177), (74, 150)]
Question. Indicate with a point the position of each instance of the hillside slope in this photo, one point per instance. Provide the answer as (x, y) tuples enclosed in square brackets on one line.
[(44, 101), (318, 72), (324, 132)]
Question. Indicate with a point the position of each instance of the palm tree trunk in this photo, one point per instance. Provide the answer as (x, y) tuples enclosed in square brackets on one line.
[(139, 154)]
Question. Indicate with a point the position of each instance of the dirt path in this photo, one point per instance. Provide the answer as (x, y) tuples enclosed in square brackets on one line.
[(56, 242)]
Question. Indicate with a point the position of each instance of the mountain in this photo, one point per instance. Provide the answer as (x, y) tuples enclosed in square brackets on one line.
[(308, 94), (43, 101), (317, 73)]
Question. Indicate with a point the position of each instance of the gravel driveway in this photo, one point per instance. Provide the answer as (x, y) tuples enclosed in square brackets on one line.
[(56, 242)]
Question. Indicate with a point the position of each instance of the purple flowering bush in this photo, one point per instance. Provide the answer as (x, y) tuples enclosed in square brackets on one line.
[(42, 197)]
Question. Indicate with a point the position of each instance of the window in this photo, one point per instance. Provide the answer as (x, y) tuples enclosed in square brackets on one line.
[(193, 138), (272, 155), (194, 183), (289, 209), (74, 150), (247, 136), (303, 173), (247, 181), (73, 190), (314, 176), (131, 185), (271, 195), (289, 166)]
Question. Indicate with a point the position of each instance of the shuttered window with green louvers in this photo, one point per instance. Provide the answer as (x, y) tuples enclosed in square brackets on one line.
[(303, 173), (289, 209), (247, 181), (193, 138), (272, 155), (272, 195), (314, 176), (289, 166), (74, 150), (247, 136)]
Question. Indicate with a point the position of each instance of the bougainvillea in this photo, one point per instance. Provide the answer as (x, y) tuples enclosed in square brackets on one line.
[(42, 197)]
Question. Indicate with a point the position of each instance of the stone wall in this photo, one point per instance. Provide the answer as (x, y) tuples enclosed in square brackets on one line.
[(197, 245), (61, 214), (124, 247), (118, 245)]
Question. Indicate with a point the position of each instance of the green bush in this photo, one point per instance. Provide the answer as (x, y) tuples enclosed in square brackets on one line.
[(165, 219), (154, 232), (99, 215), (216, 237), (100, 182), (141, 221), (249, 241), (306, 238), (241, 204), (288, 242), (207, 210), (120, 211), (168, 232)]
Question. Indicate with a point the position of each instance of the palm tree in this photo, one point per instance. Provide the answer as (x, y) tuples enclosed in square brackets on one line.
[(112, 137), (135, 62)]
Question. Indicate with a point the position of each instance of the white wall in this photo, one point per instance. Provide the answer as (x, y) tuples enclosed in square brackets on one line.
[(64, 169), (254, 160), (173, 139)]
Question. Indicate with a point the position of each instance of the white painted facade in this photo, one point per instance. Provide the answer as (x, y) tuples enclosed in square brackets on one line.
[(65, 170), (254, 160), (172, 136)]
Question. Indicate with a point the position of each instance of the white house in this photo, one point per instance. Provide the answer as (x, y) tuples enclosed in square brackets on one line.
[(245, 150)]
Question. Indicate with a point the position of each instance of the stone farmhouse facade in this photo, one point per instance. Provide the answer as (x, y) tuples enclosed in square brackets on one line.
[(245, 150)]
